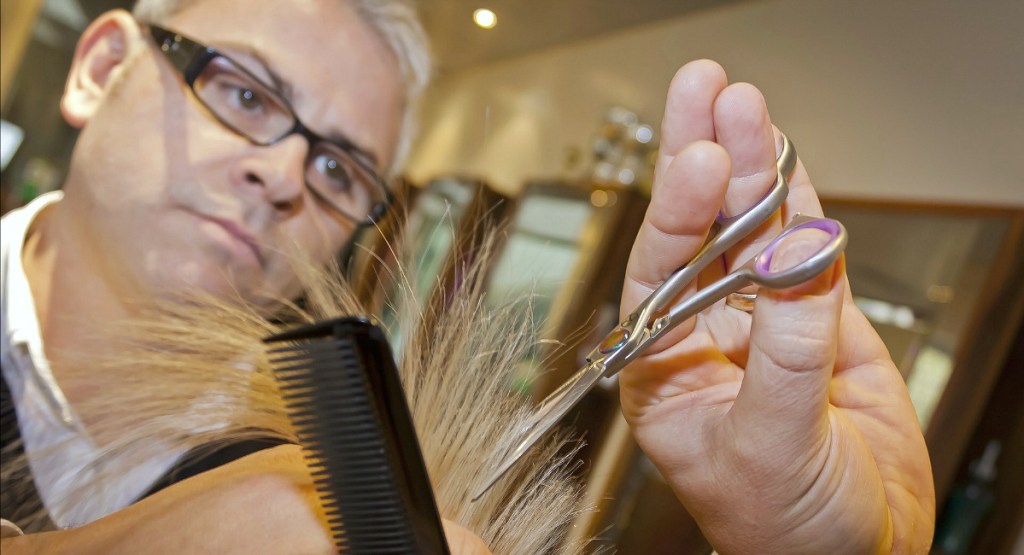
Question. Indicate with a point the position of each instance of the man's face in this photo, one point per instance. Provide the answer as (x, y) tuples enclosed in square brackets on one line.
[(171, 199)]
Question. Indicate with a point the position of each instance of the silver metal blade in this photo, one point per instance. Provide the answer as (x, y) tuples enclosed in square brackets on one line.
[(551, 410)]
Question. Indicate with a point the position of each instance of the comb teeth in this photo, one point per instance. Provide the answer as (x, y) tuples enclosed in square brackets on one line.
[(345, 434)]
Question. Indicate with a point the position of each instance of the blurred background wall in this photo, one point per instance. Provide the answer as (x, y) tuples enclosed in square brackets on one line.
[(915, 99)]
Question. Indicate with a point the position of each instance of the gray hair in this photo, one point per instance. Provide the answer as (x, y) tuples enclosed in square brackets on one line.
[(395, 21)]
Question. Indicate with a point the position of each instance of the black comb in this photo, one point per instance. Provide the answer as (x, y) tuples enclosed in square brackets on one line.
[(346, 403)]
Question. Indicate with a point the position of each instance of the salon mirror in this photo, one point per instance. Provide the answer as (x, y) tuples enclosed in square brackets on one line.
[(941, 284)]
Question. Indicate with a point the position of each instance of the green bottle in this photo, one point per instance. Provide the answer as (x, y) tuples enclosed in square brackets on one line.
[(968, 505)]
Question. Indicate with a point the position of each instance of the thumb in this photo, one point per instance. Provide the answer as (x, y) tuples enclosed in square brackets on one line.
[(793, 341)]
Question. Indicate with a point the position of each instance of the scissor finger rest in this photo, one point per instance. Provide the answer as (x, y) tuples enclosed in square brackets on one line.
[(795, 274)]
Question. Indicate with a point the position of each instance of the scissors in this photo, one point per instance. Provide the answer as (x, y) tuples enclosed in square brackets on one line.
[(656, 315)]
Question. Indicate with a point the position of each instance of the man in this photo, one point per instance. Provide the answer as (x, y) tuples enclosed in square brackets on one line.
[(161, 196), (184, 179)]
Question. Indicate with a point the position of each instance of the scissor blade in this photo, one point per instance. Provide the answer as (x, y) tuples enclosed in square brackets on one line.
[(551, 410)]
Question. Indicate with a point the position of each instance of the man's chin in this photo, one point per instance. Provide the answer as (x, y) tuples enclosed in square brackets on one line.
[(200, 281), (220, 285)]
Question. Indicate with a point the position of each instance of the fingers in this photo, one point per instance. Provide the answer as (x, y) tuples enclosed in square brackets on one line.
[(688, 189), (743, 127), (746, 132), (701, 105), (681, 212), (689, 110), (689, 184)]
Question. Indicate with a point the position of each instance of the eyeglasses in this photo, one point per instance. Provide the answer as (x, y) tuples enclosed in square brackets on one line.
[(337, 172)]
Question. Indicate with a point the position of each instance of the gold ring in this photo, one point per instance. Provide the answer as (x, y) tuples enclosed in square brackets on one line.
[(741, 301)]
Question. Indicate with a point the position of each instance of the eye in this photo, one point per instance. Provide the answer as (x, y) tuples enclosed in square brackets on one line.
[(248, 98), (334, 172), (241, 97), (233, 93)]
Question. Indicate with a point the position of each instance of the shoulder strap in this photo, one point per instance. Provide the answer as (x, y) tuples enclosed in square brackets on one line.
[(207, 458), (19, 499)]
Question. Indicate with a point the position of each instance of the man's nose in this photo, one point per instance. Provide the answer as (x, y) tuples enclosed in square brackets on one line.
[(279, 170)]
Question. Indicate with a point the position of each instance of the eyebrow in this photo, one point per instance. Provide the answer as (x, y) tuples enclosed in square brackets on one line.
[(280, 85), (284, 88)]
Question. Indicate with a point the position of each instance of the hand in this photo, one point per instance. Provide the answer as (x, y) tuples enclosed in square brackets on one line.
[(789, 430), (262, 503)]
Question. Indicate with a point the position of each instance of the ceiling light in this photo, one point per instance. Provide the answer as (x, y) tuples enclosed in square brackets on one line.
[(484, 18)]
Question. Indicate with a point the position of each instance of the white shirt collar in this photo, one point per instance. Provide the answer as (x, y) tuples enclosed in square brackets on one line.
[(22, 344)]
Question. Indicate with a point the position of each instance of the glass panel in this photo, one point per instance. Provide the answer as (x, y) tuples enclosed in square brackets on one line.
[(917, 276), (432, 225), (538, 259)]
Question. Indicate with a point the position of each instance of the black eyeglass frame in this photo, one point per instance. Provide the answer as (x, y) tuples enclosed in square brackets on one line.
[(191, 57)]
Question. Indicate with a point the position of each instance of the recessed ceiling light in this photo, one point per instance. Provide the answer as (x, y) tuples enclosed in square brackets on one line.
[(484, 18)]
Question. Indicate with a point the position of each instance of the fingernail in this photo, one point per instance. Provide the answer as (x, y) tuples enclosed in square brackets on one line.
[(798, 247)]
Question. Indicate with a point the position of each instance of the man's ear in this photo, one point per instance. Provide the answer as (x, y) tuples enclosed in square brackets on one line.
[(102, 49)]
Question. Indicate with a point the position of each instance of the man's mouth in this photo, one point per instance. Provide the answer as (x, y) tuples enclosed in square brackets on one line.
[(241, 241)]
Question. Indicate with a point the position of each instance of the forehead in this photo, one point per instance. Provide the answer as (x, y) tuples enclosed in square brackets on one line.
[(342, 77)]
